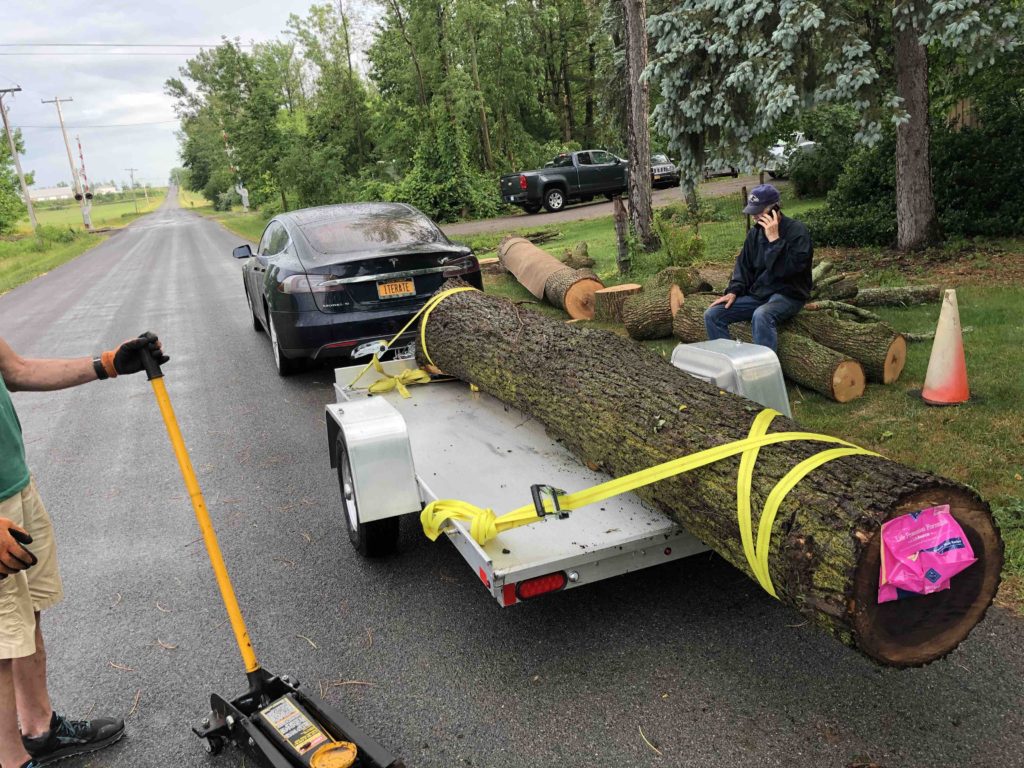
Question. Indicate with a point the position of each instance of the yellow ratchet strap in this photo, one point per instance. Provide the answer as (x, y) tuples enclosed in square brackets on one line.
[(388, 384), (485, 525)]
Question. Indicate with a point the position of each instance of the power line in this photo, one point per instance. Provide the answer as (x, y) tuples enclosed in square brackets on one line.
[(101, 53), (123, 45), (111, 125)]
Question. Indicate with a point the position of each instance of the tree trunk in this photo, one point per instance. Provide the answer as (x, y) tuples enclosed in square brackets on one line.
[(485, 127), (573, 290), (688, 279), (617, 406), (916, 223), (881, 350), (803, 361), (547, 278), (841, 289), (691, 172), (421, 90), (640, 214), (896, 297), (622, 258), (648, 315), (608, 301)]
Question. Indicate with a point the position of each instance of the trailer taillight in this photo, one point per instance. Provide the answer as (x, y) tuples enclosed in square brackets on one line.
[(522, 181), (541, 585)]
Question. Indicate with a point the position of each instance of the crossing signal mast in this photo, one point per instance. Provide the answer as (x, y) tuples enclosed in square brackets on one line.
[(85, 191), (79, 195)]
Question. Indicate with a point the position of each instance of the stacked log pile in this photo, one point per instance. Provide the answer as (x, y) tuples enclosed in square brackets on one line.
[(620, 410)]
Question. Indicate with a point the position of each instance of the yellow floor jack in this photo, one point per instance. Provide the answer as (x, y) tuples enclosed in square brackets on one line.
[(273, 720)]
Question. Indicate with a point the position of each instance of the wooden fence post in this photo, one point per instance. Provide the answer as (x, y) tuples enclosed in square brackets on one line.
[(745, 205)]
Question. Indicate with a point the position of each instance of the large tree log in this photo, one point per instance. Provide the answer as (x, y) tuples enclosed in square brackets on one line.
[(547, 278), (841, 289), (648, 315), (881, 350), (803, 361), (616, 405), (897, 297), (608, 301), (687, 279)]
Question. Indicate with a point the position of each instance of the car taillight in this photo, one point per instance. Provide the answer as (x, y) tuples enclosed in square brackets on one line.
[(308, 284), (522, 181), (541, 585), (461, 266)]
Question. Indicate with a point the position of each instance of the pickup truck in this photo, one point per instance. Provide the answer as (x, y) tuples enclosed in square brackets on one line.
[(571, 177)]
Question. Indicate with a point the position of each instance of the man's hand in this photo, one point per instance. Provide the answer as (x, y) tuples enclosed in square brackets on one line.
[(769, 221), (13, 556), (728, 299), (127, 358)]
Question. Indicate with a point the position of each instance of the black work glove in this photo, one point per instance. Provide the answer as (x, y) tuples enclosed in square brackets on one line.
[(14, 555), (127, 358)]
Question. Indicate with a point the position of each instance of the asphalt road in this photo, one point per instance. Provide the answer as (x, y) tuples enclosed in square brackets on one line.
[(714, 672)]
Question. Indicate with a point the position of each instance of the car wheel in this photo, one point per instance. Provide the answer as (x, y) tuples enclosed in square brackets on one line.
[(772, 174), (285, 366), (532, 208), (735, 173), (609, 196), (373, 539), (554, 200), (256, 324)]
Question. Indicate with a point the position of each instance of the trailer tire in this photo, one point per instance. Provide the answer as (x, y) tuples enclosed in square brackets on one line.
[(377, 538)]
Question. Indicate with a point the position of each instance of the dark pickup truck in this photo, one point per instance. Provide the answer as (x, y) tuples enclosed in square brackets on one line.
[(571, 177)]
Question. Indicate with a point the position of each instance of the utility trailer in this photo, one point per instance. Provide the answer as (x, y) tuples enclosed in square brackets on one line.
[(447, 441)]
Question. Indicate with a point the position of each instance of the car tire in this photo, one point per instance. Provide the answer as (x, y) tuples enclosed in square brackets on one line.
[(609, 196), (554, 200), (377, 538), (772, 174), (735, 173), (285, 365), (532, 208), (256, 324)]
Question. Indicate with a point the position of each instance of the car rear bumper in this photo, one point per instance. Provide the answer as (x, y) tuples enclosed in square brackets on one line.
[(520, 199)]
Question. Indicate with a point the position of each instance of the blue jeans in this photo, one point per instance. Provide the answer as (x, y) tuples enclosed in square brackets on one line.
[(764, 315)]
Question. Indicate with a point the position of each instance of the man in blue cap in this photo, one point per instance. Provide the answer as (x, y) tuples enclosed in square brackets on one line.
[(772, 278)]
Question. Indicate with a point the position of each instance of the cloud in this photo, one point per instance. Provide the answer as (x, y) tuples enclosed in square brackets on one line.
[(113, 89)]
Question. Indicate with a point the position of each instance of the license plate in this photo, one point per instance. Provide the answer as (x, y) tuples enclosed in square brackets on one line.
[(657, 176), (395, 289)]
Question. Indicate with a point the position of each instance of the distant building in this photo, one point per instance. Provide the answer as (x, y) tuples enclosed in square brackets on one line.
[(44, 194)]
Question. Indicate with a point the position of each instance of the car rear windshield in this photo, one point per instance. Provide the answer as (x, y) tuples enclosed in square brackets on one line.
[(367, 229)]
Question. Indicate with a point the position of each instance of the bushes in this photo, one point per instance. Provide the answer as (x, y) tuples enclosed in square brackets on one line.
[(817, 170)]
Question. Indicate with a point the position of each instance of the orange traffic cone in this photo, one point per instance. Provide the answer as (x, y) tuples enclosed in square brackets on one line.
[(945, 383)]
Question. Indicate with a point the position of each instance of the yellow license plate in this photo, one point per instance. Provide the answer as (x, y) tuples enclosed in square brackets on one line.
[(657, 176), (396, 288)]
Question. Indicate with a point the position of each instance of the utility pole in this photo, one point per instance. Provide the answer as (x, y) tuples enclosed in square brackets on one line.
[(79, 195), (14, 154), (131, 172), (87, 193)]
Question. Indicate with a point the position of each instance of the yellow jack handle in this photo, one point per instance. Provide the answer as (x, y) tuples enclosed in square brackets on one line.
[(227, 592)]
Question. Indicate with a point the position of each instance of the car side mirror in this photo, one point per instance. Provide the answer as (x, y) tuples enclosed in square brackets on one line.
[(242, 252)]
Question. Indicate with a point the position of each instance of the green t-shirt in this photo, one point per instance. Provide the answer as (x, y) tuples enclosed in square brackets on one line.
[(13, 467)]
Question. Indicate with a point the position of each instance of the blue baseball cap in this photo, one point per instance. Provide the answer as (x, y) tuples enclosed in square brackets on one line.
[(761, 197)]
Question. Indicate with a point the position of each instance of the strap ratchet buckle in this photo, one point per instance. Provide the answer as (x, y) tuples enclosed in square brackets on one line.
[(539, 491)]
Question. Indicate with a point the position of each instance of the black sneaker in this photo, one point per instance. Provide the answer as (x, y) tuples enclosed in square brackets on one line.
[(67, 738)]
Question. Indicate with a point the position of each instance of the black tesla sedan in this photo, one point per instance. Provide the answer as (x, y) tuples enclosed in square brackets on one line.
[(325, 280)]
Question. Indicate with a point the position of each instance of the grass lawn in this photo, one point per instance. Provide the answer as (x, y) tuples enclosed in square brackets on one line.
[(23, 259), (103, 214), (980, 444)]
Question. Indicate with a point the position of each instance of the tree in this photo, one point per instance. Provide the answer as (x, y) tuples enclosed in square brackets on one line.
[(639, 142), (731, 72), (12, 207)]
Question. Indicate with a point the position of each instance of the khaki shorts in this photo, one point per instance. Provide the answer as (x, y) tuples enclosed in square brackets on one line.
[(34, 589)]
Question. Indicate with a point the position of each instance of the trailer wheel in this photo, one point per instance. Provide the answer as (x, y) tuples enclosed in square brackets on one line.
[(377, 538)]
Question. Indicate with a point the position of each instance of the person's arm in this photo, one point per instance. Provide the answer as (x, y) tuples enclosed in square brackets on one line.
[(742, 272), (28, 374)]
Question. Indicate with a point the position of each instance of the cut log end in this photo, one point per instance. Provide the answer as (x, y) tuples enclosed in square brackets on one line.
[(895, 359), (676, 297), (608, 301), (921, 629), (579, 299), (848, 381)]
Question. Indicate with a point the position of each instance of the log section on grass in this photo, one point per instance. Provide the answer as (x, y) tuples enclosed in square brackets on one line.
[(688, 279), (881, 350), (648, 315), (547, 278), (897, 297), (608, 301), (804, 362), (616, 405)]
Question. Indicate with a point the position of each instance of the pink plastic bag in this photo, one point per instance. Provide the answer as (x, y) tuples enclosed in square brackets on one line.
[(921, 552)]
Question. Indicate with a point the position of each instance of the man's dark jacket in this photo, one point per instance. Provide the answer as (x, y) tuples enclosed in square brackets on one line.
[(764, 268)]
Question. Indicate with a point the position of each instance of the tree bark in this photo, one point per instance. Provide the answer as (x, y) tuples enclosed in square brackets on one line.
[(622, 258), (640, 214), (688, 279), (881, 350), (916, 223), (841, 289), (485, 126), (573, 290), (896, 297), (608, 301), (648, 315), (804, 362), (617, 406)]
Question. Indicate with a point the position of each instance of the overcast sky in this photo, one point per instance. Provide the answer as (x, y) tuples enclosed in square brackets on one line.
[(112, 89)]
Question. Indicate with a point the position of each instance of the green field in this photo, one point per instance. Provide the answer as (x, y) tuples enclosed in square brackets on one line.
[(103, 214), (24, 258)]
